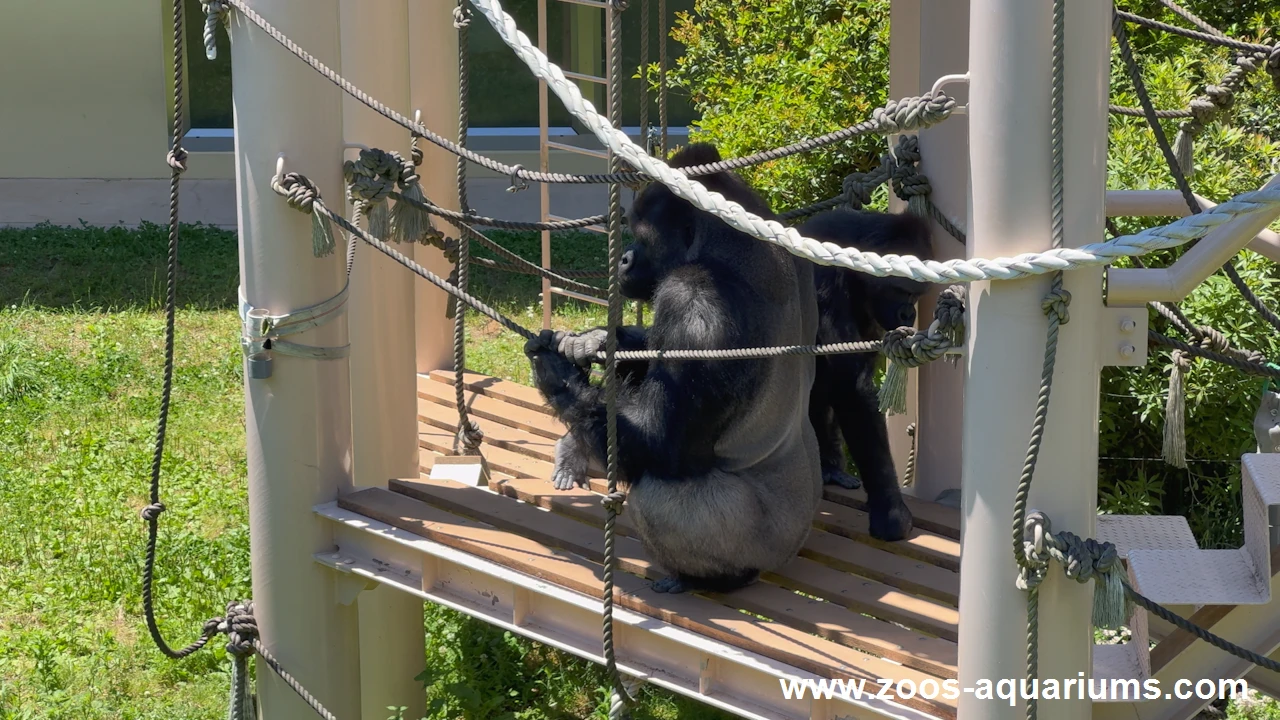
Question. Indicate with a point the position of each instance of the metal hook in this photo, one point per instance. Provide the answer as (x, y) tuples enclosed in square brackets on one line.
[(948, 80), (517, 183)]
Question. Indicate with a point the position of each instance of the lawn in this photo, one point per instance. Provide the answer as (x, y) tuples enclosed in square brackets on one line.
[(81, 351)]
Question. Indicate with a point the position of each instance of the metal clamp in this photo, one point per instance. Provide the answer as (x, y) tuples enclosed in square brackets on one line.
[(261, 332)]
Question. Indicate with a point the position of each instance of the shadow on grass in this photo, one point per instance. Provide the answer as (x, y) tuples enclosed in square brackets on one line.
[(66, 268)]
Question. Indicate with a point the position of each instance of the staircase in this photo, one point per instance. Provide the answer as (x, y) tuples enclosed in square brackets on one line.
[(1226, 591)]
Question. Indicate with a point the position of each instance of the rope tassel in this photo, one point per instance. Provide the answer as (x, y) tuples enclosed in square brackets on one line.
[(1175, 440), (1184, 150)]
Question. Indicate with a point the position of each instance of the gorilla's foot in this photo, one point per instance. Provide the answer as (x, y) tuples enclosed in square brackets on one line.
[(836, 476), (890, 521), (670, 584)]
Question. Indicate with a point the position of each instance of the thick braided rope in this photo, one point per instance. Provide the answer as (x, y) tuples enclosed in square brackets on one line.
[(897, 116), (1183, 624), (151, 513), (1215, 39), (302, 195), (644, 70), (1192, 18), (1250, 366), (1137, 112), (474, 219), (1055, 306), (662, 74), (562, 276), (1172, 235), (1179, 173), (620, 698), (215, 14), (516, 269), (469, 435)]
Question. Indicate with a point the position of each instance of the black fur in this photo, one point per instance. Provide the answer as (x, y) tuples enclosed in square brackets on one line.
[(720, 457), (856, 306)]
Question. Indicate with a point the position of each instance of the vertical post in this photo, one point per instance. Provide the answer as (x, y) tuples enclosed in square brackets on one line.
[(544, 164), (1010, 202), (433, 77), (384, 416), (929, 41), (298, 423)]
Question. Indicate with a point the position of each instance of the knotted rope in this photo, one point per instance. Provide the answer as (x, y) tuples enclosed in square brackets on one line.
[(906, 348), (1206, 108), (372, 179), (215, 14), (1081, 560)]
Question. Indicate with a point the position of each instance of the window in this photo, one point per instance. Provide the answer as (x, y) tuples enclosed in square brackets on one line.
[(503, 91)]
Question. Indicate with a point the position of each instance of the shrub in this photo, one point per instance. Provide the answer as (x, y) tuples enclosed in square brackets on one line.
[(764, 73)]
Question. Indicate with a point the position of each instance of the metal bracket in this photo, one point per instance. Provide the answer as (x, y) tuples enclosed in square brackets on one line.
[(1123, 341)]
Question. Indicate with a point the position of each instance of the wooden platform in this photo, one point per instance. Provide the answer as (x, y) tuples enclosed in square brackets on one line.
[(850, 607)]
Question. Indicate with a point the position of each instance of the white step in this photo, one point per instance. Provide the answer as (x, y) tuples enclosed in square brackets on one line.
[(1242, 576), (1148, 532)]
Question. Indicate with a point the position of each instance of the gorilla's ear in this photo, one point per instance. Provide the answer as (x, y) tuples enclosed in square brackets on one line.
[(695, 154)]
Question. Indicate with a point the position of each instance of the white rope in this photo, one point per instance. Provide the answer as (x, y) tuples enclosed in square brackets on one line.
[(1177, 233)]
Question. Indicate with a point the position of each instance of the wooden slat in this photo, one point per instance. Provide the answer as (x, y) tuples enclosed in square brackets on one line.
[(495, 409), (495, 433), (931, 655), (839, 519), (501, 460), (696, 614), (931, 516), (897, 572), (920, 544), (515, 393)]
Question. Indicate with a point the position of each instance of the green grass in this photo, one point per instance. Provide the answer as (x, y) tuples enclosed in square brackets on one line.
[(81, 349)]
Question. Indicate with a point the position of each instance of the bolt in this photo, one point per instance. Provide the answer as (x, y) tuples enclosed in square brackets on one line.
[(1128, 325), (1127, 350)]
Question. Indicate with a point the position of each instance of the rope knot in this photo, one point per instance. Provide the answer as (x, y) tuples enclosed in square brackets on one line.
[(215, 14), (949, 312), (614, 501), (1057, 304), (177, 158), (240, 627), (469, 438), (897, 346), (461, 16), (152, 512), (371, 179), (298, 191), (1273, 66), (1213, 340), (913, 113), (1181, 361)]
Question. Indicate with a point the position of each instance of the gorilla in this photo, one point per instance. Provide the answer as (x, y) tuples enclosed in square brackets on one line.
[(721, 460), (855, 306)]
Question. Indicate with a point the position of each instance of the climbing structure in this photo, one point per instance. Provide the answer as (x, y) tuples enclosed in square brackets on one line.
[(490, 537)]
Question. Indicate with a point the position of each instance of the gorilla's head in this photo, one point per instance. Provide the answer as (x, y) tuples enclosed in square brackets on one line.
[(668, 232), (892, 300)]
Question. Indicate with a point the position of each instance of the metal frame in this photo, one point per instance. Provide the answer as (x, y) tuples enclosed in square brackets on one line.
[(545, 146)]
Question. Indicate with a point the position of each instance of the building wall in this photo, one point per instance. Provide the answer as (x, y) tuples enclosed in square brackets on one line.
[(85, 90)]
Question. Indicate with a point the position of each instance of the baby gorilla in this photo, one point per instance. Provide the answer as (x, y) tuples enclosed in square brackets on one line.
[(856, 306), (720, 457)]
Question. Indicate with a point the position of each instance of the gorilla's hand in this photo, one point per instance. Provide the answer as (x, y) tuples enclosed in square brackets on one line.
[(552, 372), (581, 348)]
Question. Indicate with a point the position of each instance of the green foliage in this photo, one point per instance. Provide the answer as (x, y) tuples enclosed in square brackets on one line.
[(1233, 156), (764, 73)]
